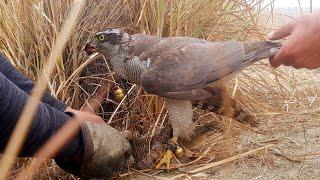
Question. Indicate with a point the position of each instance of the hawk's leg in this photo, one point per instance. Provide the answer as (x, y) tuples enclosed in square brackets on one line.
[(180, 116), (222, 103)]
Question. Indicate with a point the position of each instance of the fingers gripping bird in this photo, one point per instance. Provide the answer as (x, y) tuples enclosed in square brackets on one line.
[(183, 70)]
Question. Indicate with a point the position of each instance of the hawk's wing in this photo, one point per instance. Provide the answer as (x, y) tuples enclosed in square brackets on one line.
[(189, 66), (180, 67)]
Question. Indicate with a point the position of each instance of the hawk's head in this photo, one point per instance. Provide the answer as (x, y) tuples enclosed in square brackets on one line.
[(107, 42)]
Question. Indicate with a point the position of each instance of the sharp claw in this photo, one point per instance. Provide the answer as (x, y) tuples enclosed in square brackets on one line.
[(173, 149), (167, 158)]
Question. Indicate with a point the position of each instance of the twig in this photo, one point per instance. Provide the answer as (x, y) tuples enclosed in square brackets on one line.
[(218, 163), (155, 126), (121, 102)]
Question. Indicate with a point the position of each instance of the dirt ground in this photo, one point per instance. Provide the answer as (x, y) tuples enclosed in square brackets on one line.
[(291, 126), (295, 154), (294, 137)]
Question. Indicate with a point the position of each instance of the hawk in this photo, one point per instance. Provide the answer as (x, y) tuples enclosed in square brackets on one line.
[(182, 70)]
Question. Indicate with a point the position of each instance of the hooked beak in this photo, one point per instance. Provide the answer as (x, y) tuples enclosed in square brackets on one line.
[(90, 48)]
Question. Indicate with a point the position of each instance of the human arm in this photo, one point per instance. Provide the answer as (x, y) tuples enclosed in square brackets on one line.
[(26, 84), (97, 150)]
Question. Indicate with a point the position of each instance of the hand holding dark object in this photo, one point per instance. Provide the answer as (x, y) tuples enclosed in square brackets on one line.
[(103, 152), (96, 151), (302, 48)]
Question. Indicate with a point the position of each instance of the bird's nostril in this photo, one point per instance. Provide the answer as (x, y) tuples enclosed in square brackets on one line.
[(89, 48)]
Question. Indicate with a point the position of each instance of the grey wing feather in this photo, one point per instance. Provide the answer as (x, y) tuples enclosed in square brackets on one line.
[(192, 66), (146, 46)]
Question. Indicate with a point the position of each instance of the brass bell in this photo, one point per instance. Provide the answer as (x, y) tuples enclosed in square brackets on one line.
[(179, 152), (119, 94)]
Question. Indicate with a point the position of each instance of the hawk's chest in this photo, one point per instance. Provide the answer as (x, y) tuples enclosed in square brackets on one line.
[(133, 69)]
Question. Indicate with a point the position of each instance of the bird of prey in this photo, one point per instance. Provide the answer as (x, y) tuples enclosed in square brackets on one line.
[(183, 70)]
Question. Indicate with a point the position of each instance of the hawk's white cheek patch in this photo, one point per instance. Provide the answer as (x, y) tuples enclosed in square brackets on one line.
[(148, 62), (112, 31)]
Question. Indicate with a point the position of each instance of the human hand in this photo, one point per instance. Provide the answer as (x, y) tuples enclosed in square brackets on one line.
[(86, 115), (104, 152), (302, 48)]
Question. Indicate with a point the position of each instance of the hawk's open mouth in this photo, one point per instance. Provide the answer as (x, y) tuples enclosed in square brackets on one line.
[(90, 49)]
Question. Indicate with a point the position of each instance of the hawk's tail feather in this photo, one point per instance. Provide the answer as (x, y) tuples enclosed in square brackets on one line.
[(261, 49), (223, 104)]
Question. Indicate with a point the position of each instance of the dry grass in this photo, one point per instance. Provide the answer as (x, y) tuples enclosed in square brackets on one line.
[(28, 30)]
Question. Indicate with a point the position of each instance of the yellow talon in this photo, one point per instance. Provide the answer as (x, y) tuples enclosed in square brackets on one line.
[(173, 146), (167, 158), (119, 94)]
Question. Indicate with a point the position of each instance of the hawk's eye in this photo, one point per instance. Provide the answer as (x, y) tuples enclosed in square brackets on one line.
[(101, 37)]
